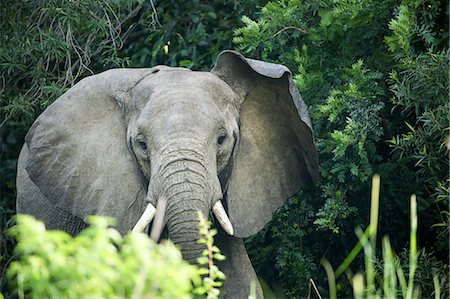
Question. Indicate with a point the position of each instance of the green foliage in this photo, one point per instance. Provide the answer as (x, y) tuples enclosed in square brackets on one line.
[(365, 68), (98, 263), (212, 274), (50, 45), (191, 33), (428, 270), (351, 115), (345, 94), (420, 86), (280, 246)]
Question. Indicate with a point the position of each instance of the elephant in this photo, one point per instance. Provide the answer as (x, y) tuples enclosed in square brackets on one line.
[(132, 143)]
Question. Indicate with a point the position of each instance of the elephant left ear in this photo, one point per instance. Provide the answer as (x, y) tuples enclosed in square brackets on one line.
[(275, 155)]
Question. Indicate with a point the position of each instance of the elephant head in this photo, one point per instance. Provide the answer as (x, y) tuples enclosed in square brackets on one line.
[(126, 142)]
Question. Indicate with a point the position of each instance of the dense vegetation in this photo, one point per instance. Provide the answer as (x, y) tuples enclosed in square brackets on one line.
[(374, 74)]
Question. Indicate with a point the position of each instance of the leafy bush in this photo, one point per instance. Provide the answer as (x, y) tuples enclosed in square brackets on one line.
[(366, 69), (273, 248), (420, 86), (351, 118), (100, 263), (97, 263)]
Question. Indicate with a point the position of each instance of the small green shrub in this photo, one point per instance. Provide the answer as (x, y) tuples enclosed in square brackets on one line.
[(212, 276), (100, 263)]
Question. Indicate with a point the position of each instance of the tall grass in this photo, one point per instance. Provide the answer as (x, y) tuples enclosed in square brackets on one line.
[(392, 282)]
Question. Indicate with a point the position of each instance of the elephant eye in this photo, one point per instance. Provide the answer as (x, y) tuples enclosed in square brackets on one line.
[(142, 144), (222, 137)]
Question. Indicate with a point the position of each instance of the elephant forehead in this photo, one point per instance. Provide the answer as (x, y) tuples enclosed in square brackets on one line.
[(191, 110), (184, 95), (183, 92), (193, 78), (200, 86)]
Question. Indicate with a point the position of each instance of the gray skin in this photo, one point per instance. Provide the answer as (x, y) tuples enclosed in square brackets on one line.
[(125, 137)]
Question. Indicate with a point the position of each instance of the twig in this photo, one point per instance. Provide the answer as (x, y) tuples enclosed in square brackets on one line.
[(311, 283), (155, 13), (7, 117), (3, 85), (287, 28)]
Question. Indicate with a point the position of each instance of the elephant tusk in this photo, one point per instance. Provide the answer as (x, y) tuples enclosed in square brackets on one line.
[(145, 219), (222, 217), (158, 225)]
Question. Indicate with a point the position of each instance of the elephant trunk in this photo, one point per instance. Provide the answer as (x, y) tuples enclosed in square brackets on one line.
[(187, 191), (185, 234)]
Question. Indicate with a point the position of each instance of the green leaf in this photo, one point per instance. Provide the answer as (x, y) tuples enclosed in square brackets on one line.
[(326, 18)]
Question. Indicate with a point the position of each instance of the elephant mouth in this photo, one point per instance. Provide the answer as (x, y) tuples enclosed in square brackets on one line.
[(150, 212)]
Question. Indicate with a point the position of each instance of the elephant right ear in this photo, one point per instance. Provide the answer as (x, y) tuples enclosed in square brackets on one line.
[(275, 154), (78, 153)]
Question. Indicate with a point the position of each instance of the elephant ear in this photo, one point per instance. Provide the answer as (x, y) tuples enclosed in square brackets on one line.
[(275, 154), (78, 153)]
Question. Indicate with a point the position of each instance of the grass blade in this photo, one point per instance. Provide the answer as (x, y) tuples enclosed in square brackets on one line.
[(412, 248), (437, 287), (331, 278), (374, 206), (358, 286), (389, 277)]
